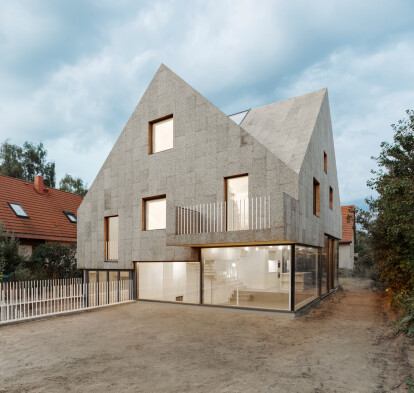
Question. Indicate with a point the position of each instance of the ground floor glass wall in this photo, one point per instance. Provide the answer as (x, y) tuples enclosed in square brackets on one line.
[(306, 275), (168, 281), (255, 276), (104, 286)]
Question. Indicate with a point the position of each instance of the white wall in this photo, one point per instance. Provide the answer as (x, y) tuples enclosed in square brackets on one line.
[(346, 256)]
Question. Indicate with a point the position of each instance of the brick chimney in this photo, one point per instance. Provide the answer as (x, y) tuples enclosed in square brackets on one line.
[(38, 184)]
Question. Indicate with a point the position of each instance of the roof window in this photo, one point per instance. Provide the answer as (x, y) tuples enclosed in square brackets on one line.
[(71, 217), (18, 210), (239, 117)]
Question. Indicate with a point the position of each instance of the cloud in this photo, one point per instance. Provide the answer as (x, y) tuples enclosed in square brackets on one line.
[(71, 73)]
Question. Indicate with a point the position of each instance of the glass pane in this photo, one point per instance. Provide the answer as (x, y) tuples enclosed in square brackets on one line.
[(306, 275), (112, 239), (92, 288), (336, 262), (113, 276), (124, 275), (257, 277), (238, 117), (169, 281), (324, 268), (237, 203), (156, 214), (18, 210), (162, 135)]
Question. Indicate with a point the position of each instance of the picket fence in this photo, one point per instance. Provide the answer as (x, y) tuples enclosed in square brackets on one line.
[(34, 299)]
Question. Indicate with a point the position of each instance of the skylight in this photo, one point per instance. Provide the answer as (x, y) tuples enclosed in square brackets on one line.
[(239, 117), (18, 210), (71, 217)]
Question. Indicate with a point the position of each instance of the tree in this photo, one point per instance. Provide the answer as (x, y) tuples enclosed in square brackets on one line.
[(364, 263), (26, 162), (390, 219), (11, 260), (73, 185), (51, 260)]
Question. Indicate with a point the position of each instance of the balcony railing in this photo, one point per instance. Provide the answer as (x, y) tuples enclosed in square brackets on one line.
[(236, 215)]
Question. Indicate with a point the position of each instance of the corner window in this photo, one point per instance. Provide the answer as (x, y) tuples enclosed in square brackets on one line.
[(18, 210), (325, 162), (331, 198), (161, 135), (316, 199), (71, 217), (154, 213), (111, 238)]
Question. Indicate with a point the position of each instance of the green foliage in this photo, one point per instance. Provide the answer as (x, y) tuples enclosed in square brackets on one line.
[(52, 260), (26, 162), (364, 265), (410, 382), (73, 185), (389, 222), (9, 253)]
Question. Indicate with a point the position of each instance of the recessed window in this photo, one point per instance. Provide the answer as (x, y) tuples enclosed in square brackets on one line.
[(18, 210), (330, 197), (154, 213), (111, 238), (161, 135), (237, 194), (316, 199), (71, 217), (325, 162)]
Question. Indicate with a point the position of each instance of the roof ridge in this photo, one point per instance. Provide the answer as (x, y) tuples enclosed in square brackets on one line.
[(48, 187)]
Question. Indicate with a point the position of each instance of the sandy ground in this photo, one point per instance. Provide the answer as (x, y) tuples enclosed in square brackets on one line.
[(345, 345)]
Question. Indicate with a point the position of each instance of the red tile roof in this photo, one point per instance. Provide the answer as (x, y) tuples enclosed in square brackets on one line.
[(46, 218), (347, 226)]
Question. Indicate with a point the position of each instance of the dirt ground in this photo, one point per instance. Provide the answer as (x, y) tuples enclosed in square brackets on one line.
[(344, 345)]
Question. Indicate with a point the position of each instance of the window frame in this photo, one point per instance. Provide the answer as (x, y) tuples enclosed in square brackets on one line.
[(68, 213), (150, 131), (21, 207), (330, 197), (106, 233), (144, 211), (316, 200)]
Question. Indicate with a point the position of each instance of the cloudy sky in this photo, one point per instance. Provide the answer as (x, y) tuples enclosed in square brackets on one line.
[(71, 72)]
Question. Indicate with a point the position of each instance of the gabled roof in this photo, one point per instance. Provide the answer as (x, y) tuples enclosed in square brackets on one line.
[(286, 127), (348, 226), (47, 219)]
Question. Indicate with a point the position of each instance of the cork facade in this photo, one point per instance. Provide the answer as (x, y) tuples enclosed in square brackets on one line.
[(284, 151)]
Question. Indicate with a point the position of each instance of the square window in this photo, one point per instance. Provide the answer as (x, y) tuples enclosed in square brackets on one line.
[(161, 135), (18, 210), (155, 213)]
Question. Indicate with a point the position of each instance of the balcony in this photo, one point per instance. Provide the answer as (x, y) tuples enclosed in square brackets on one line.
[(235, 215)]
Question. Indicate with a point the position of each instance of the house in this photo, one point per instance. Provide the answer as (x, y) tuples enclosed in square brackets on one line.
[(203, 208), (347, 243), (37, 214)]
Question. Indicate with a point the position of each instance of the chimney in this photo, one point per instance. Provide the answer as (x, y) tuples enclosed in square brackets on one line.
[(38, 184)]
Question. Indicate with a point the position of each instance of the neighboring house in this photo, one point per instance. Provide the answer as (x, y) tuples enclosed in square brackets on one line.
[(199, 207), (347, 243), (37, 214)]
